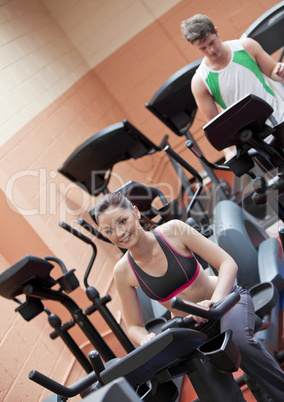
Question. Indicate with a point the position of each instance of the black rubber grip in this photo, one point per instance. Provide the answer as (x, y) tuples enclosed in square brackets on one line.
[(93, 230), (56, 388), (215, 312), (75, 232)]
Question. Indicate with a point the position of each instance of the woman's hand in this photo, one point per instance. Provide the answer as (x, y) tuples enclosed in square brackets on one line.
[(148, 338), (201, 320)]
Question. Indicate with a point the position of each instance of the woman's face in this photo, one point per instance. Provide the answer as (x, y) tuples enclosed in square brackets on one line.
[(120, 225)]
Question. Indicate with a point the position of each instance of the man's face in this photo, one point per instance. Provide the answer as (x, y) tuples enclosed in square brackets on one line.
[(210, 47)]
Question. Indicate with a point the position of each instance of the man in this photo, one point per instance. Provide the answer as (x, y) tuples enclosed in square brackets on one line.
[(230, 70)]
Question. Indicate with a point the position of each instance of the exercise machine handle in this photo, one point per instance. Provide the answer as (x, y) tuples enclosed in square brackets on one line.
[(97, 364), (192, 171), (58, 261), (65, 327), (196, 151), (215, 312), (93, 230), (164, 142), (56, 388), (85, 239), (183, 163), (75, 232)]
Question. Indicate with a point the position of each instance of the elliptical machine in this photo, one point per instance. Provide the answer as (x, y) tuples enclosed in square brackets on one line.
[(173, 353), (90, 378), (243, 125), (33, 278)]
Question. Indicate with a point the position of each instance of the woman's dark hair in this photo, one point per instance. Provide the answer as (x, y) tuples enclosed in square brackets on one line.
[(116, 199)]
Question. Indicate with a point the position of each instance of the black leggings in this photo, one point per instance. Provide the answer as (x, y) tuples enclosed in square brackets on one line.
[(255, 360)]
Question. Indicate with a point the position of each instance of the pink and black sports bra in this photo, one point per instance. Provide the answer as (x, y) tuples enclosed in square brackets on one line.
[(181, 272)]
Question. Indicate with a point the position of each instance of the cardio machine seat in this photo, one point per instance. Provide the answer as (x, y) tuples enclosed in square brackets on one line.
[(29, 269), (264, 296), (235, 230), (248, 113)]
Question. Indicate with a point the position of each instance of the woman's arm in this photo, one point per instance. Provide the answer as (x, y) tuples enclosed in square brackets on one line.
[(213, 255), (130, 305), (217, 258)]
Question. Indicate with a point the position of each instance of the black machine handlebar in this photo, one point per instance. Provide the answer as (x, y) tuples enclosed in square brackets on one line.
[(58, 261), (93, 230), (98, 303), (56, 388), (77, 387), (196, 151), (87, 240), (75, 232), (215, 312), (183, 163), (192, 171)]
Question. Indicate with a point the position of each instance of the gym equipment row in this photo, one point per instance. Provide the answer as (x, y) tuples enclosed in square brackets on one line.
[(260, 252), (177, 350)]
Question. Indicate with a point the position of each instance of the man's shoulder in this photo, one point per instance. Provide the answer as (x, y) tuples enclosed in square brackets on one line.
[(197, 83), (201, 69), (235, 44), (249, 44)]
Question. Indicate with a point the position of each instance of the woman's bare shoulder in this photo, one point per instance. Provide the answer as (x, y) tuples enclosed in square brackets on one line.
[(121, 266), (174, 224), (123, 275), (176, 229)]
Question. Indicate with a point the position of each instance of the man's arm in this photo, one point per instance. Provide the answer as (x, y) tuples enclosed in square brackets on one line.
[(266, 63), (203, 98), (207, 106)]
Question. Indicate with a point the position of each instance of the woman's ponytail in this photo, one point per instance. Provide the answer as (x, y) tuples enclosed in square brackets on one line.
[(146, 223)]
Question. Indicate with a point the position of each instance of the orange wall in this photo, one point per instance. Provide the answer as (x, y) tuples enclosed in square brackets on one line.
[(35, 197)]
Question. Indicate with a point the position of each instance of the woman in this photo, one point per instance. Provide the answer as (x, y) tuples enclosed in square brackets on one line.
[(162, 263)]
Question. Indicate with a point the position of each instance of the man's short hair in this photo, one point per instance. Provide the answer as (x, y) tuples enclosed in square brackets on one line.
[(197, 27)]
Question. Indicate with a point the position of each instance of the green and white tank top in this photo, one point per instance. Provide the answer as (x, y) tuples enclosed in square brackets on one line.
[(239, 78)]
